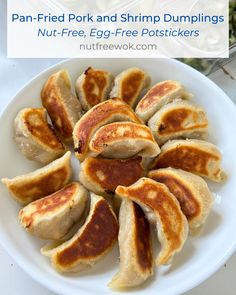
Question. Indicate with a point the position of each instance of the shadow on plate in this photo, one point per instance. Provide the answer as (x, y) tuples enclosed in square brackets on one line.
[(212, 223), (181, 258), (185, 255)]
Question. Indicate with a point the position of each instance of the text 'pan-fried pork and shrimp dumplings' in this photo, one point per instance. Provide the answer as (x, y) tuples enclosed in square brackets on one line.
[(159, 95), (106, 112), (123, 140), (35, 137), (129, 85), (102, 176), (162, 209), (196, 156), (136, 262), (179, 119), (190, 190), (93, 87), (52, 217), (42, 182), (92, 241), (62, 105)]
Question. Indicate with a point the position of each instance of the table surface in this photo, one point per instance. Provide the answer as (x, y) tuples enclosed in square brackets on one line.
[(14, 73)]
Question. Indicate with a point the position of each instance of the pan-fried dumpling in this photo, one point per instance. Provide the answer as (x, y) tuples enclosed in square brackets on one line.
[(52, 217), (92, 241), (136, 263), (63, 107), (129, 84), (42, 182), (109, 111), (122, 140), (196, 156), (190, 190), (179, 119), (163, 210), (102, 176), (159, 95), (35, 137), (92, 87)]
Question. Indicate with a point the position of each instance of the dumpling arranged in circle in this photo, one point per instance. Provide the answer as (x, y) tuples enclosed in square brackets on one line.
[(106, 112), (159, 95), (52, 217), (123, 140), (136, 262), (102, 176), (35, 137), (162, 209), (196, 156), (91, 242), (93, 87), (62, 105), (41, 182), (179, 119), (129, 85), (191, 191)]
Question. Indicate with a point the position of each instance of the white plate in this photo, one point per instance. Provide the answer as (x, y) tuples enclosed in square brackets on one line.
[(201, 256)]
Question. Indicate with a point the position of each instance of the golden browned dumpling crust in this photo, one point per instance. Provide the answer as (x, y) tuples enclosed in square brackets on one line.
[(129, 85), (161, 208), (52, 217), (63, 107), (102, 176), (93, 86), (92, 241), (159, 95), (109, 111), (36, 139), (136, 262), (179, 119), (190, 190), (196, 156), (124, 140), (42, 182)]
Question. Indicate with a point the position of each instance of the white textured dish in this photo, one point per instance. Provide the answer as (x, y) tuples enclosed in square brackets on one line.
[(201, 255)]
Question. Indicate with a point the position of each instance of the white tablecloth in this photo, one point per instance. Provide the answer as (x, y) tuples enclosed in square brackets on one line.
[(14, 73)]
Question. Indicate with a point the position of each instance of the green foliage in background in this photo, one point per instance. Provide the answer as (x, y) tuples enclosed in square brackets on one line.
[(232, 22), (203, 64)]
